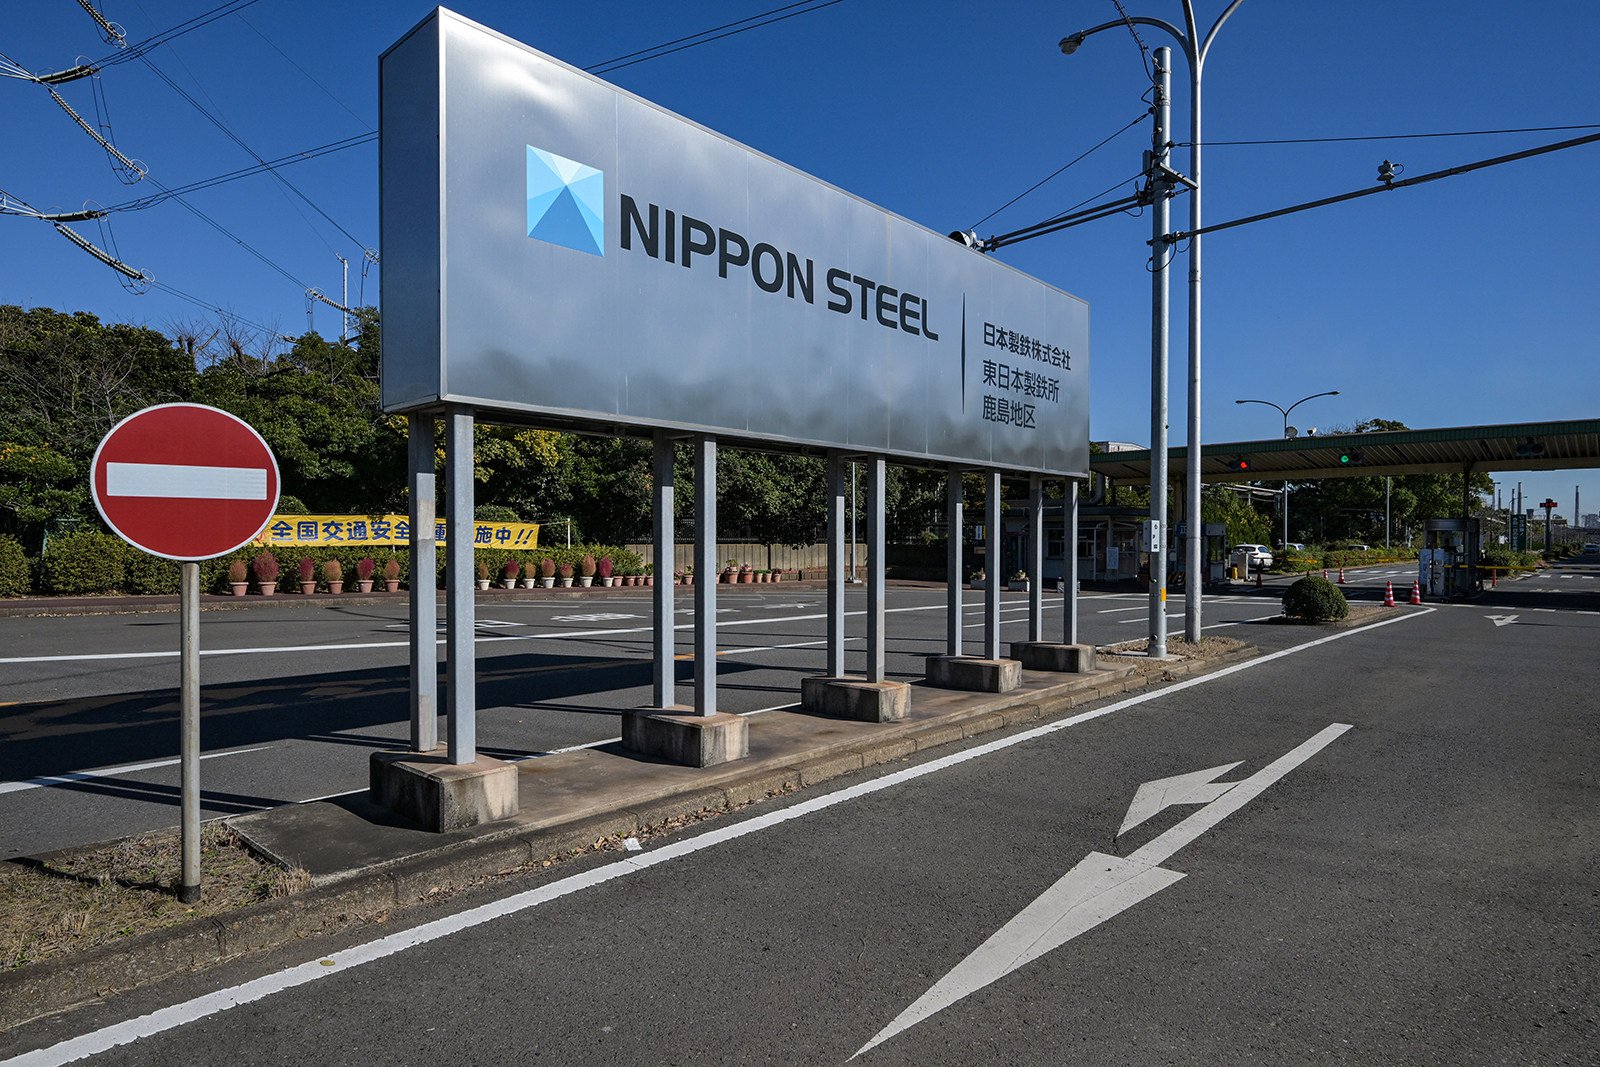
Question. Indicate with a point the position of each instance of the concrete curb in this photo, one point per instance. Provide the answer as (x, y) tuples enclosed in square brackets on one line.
[(368, 897)]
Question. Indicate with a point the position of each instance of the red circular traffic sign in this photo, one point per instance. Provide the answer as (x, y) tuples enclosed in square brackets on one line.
[(184, 481)]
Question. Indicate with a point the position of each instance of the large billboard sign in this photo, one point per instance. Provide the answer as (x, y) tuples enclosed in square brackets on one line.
[(555, 247)]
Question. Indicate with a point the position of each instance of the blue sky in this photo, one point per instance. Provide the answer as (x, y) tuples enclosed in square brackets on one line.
[(1470, 300)]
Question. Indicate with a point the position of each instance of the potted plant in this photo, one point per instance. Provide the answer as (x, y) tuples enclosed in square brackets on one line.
[(547, 572), (333, 573), (391, 575), (1018, 582), (586, 567), (606, 569), (747, 574), (509, 572), (777, 575), (483, 576), (265, 567), (239, 577), (565, 571), (688, 575), (650, 574), (365, 566), (308, 575), (530, 575), (979, 579)]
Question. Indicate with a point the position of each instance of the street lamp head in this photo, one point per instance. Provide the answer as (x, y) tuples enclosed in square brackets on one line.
[(1070, 43)]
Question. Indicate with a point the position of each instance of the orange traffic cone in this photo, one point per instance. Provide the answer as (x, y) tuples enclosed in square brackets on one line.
[(1416, 592), (1341, 575), (1388, 594)]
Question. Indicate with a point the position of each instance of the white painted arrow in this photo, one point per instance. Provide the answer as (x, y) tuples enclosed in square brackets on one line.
[(1501, 620), (1098, 888), (1196, 787)]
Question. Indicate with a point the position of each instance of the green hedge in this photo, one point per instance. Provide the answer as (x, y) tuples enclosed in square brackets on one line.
[(91, 562), (1315, 599), (15, 578)]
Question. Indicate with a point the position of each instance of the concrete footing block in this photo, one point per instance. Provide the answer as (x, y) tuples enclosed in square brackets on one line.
[(1049, 656), (973, 674), (441, 796), (678, 735), (855, 698)]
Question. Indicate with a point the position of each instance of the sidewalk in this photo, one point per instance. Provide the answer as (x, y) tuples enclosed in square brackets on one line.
[(365, 863)]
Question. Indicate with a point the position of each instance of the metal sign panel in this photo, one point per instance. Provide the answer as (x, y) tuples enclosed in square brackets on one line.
[(555, 246)]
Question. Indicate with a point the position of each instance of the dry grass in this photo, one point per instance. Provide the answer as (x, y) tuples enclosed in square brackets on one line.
[(88, 897), (1208, 648)]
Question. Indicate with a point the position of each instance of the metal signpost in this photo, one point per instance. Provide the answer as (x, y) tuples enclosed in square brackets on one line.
[(558, 252), (186, 482)]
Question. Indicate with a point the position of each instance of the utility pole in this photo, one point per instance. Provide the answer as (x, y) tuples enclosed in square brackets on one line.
[(1160, 188)]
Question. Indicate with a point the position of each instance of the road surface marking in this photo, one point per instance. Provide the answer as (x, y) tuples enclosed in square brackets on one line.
[(110, 772), (599, 616), (1502, 620), (1100, 887), (202, 1007)]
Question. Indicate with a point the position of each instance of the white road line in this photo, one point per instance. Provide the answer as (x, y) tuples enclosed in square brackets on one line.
[(111, 772), (176, 1015), (482, 639)]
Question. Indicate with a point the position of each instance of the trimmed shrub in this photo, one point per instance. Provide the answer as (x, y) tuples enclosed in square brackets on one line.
[(494, 513), (14, 577), (148, 575), (291, 505), (86, 561), (1315, 599)]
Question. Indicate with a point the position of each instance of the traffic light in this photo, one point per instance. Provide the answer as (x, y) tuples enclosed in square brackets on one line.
[(1352, 458), (1241, 464)]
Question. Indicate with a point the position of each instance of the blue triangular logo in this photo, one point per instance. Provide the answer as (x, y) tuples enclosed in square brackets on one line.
[(566, 202)]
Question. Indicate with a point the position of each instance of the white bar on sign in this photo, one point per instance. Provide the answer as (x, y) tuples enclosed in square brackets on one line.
[(186, 483)]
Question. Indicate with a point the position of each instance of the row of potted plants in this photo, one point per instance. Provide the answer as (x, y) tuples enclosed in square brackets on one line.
[(743, 574), (547, 573), (267, 571)]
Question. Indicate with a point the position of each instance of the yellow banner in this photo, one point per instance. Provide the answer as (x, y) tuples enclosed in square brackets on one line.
[(307, 530)]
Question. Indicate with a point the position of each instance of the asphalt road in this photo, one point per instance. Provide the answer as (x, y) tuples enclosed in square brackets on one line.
[(296, 696), (1388, 856)]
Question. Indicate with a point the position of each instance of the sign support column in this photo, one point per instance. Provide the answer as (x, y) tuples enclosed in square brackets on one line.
[(459, 586), (877, 565), (705, 569), (666, 688), (189, 745), (992, 566), (1036, 558), (836, 523), (424, 606), (955, 512), (1069, 607)]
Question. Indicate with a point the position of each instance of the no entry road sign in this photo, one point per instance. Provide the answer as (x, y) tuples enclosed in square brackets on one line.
[(184, 481)]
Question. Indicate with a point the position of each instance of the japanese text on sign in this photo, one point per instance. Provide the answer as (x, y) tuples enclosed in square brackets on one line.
[(386, 530)]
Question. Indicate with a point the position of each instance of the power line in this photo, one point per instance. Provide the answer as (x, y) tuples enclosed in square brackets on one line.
[(245, 172), (1387, 186), (1061, 170), (312, 78), (1391, 136), (611, 65), (205, 18), (111, 33)]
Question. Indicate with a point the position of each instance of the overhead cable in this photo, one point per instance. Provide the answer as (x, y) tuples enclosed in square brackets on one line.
[(1062, 169), (205, 18), (707, 36), (1392, 136), (111, 33)]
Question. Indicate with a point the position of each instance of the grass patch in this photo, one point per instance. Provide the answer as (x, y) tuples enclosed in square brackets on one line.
[(86, 897)]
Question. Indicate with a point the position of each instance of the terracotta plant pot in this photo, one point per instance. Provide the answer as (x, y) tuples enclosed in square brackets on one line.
[(266, 588), (307, 588), (364, 585), (336, 587), (688, 579), (650, 579), (777, 576), (747, 577), (391, 585), (240, 588)]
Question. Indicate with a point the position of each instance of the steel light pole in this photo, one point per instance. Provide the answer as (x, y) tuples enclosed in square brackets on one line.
[(1195, 48), (1285, 412)]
